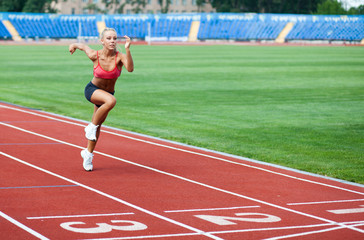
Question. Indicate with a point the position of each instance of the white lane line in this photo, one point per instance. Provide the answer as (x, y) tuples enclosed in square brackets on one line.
[(54, 186), (114, 198), (24, 144), (305, 233), (190, 152), (78, 216), (311, 232), (188, 180), (323, 202), (315, 232), (22, 226), (348, 211), (356, 223), (209, 209)]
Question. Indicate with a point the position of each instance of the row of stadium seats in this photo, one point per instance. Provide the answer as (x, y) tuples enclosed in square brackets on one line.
[(169, 27), (239, 29), (174, 28), (327, 31), (133, 28), (56, 28), (140, 28)]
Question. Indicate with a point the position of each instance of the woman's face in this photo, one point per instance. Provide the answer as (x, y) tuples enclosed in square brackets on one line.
[(109, 40)]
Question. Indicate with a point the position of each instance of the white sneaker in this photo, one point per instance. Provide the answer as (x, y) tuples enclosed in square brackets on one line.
[(90, 131), (87, 160)]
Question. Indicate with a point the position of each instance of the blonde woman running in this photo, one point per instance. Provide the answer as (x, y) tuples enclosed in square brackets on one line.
[(108, 63)]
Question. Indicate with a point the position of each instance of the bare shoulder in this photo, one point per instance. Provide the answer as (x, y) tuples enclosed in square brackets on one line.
[(91, 53), (121, 57), (120, 54)]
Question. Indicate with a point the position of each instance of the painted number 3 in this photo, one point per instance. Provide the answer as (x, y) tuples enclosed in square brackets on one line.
[(104, 227)]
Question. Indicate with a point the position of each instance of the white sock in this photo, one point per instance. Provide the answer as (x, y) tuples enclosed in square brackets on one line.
[(87, 152)]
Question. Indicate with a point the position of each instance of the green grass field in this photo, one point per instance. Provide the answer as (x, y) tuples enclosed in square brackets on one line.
[(301, 107)]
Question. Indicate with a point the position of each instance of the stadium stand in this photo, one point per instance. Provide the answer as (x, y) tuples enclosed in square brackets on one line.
[(178, 27)]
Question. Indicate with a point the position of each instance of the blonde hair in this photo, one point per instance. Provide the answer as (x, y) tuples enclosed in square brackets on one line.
[(105, 30)]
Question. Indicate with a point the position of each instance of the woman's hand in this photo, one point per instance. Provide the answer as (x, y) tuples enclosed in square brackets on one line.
[(72, 48), (128, 42), (126, 58)]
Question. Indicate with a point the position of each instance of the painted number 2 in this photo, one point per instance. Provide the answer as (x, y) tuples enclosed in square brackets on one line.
[(243, 217), (104, 227)]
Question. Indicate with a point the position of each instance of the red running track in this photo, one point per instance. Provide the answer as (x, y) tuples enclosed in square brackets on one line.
[(148, 188)]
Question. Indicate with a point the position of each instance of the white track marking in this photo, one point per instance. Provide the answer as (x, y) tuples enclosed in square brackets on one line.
[(348, 211), (310, 232), (208, 209), (188, 151), (184, 179), (22, 226), (323, 202), (305, 233), (353, 224), (356, 223), (78, 216), (114, 198)]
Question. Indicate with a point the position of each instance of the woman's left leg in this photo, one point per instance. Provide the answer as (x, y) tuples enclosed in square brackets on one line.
[(90, 143), (106, 102), (87, 154)]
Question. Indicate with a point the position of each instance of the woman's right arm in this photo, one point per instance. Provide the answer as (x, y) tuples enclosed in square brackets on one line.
[(83, 47)]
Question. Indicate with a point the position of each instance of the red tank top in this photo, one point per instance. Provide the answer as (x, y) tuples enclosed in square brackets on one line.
[(99, 72)]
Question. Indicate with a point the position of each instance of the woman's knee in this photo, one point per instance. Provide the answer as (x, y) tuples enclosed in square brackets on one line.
[(102, 98), (111, 101)]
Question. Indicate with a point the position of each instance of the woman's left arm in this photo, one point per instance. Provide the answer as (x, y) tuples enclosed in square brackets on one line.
[(126, 58)]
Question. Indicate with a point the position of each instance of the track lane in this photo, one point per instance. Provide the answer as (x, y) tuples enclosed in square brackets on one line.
[(127, 144), (176, 164)]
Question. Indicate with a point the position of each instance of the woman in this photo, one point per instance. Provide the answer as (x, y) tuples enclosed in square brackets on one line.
[(108, 63)]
